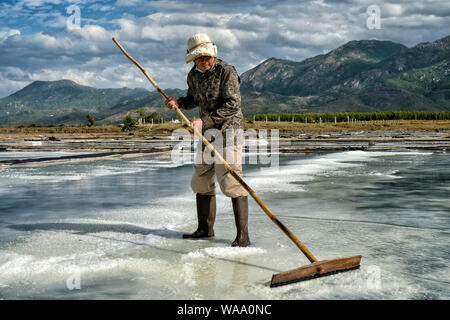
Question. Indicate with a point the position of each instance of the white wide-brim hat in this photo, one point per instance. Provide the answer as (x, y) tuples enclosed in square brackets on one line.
[(200, 45)]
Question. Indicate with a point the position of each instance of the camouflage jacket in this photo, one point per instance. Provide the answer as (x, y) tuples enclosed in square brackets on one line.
[(217, 94)]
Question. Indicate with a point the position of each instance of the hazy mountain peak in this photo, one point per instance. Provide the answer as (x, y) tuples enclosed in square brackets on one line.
[(40, 86), (61, 100), (348, 65), (368, 50)]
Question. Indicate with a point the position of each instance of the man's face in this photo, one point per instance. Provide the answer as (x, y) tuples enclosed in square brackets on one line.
[(204, 63)]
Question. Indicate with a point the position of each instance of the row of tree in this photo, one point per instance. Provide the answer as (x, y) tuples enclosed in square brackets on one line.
[(130, 123), (351, 116)]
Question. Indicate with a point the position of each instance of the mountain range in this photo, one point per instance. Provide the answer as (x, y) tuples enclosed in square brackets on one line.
[(366, 75)]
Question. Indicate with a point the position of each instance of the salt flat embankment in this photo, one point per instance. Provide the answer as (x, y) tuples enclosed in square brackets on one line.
[(91, 146)]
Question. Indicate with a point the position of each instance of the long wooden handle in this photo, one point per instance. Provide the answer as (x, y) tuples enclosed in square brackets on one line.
[(263, 206)]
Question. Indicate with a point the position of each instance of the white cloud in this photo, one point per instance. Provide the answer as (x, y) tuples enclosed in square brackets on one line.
[(94, 34), (392, 9), (4, 34), (129, 3), (246, 33), (36, 3)]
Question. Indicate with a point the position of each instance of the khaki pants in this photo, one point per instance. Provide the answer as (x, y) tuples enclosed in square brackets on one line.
[(202, 181)]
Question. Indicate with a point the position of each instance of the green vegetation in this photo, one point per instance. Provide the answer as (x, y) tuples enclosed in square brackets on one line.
[(351, 116), (152, 116), (91, 120), (148, 117), (129, 123), (282, 126)]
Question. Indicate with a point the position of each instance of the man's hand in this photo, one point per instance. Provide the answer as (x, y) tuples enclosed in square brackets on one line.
[(197, 124), (172, 103)]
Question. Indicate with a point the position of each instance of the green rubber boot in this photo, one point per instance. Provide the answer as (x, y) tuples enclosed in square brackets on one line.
[(206, 215), (240, 208)]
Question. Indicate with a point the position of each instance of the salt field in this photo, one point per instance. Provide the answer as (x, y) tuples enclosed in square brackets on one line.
[(111, 229)]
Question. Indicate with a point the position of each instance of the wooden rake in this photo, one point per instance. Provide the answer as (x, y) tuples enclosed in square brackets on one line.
[(313, 270)]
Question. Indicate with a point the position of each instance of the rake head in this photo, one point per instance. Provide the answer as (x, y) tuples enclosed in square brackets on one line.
[(315, 270)]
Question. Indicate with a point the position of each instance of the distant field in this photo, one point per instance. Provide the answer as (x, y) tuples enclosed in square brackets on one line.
[(167, 128), (351, 116), (377, 125), (60, 129)]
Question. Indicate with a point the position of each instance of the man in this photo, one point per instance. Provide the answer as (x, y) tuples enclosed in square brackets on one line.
[(213, 85)]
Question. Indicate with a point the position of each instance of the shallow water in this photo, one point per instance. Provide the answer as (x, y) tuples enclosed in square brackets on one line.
[(111, 229)]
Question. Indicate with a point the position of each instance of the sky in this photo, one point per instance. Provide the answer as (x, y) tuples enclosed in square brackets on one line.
[(71, 39)]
